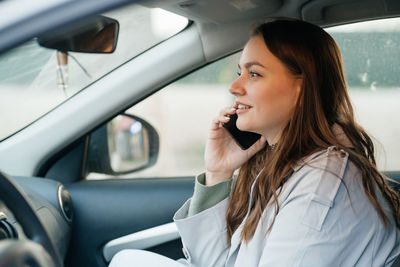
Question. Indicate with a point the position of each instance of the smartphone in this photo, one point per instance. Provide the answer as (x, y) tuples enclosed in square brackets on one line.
[(243, 139)]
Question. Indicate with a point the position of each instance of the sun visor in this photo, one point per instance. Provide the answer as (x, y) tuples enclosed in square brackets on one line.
[(328, 12), (224, 11)]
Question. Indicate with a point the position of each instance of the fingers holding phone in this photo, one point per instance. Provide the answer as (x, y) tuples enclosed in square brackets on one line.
[(227, 147), (243, 138), (224, 116)]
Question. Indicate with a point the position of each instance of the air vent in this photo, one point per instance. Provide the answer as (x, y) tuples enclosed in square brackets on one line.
[(65, 202), (7, 230)]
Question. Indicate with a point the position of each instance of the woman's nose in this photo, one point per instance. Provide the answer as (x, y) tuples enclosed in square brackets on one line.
[(237, 88)]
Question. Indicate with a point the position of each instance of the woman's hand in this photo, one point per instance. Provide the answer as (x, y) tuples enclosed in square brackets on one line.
[(223, 156)]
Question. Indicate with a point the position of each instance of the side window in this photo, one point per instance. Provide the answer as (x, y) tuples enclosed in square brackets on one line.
[(181, 113), (371, 60)]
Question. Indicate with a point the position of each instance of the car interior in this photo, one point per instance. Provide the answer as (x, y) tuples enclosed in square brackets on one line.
[(51, 213)]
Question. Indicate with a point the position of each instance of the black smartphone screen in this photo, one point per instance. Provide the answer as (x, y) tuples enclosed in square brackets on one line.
[(243, 139)]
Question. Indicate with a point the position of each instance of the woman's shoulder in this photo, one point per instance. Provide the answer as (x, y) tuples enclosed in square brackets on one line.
[(319, 176), (330, 159)]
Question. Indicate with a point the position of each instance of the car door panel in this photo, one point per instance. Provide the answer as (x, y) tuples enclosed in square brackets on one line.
[(108, 209)]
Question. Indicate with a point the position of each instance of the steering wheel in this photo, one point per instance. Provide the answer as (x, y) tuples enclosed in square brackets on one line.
[(38, 250)]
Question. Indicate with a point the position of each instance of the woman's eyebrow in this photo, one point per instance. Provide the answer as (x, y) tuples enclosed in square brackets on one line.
[(251, 63)]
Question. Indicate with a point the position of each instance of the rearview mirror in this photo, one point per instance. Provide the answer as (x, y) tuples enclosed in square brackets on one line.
[(98, 34)]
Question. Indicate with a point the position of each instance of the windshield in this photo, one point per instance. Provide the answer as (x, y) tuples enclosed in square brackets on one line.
[(30, 83)]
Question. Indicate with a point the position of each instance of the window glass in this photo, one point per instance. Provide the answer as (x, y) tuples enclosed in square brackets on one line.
[(182, 114), (30, 87), (370, 54)]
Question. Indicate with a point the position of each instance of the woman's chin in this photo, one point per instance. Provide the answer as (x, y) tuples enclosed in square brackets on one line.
[(244, 125), (244, 128)]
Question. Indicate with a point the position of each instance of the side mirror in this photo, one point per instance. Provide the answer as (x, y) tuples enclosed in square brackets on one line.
[(98, 34), (125, 144)]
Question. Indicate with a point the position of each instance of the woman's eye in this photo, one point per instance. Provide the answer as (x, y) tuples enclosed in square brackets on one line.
[(254, 74), (238, 73)]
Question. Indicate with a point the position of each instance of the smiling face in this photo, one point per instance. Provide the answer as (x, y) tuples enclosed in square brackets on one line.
[(266, 92)]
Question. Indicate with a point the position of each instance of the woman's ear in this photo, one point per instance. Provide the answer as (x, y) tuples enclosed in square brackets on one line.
[(298, 84)]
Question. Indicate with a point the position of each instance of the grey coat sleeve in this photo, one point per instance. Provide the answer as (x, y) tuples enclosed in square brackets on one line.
[(212, 248)]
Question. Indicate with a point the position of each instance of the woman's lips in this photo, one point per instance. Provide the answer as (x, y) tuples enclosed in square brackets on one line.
[(242, 108)]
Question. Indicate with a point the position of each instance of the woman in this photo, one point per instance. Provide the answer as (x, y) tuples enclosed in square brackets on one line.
[(308, 192)]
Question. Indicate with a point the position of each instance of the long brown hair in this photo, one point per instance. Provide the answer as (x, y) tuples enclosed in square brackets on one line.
[(306, 50)]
